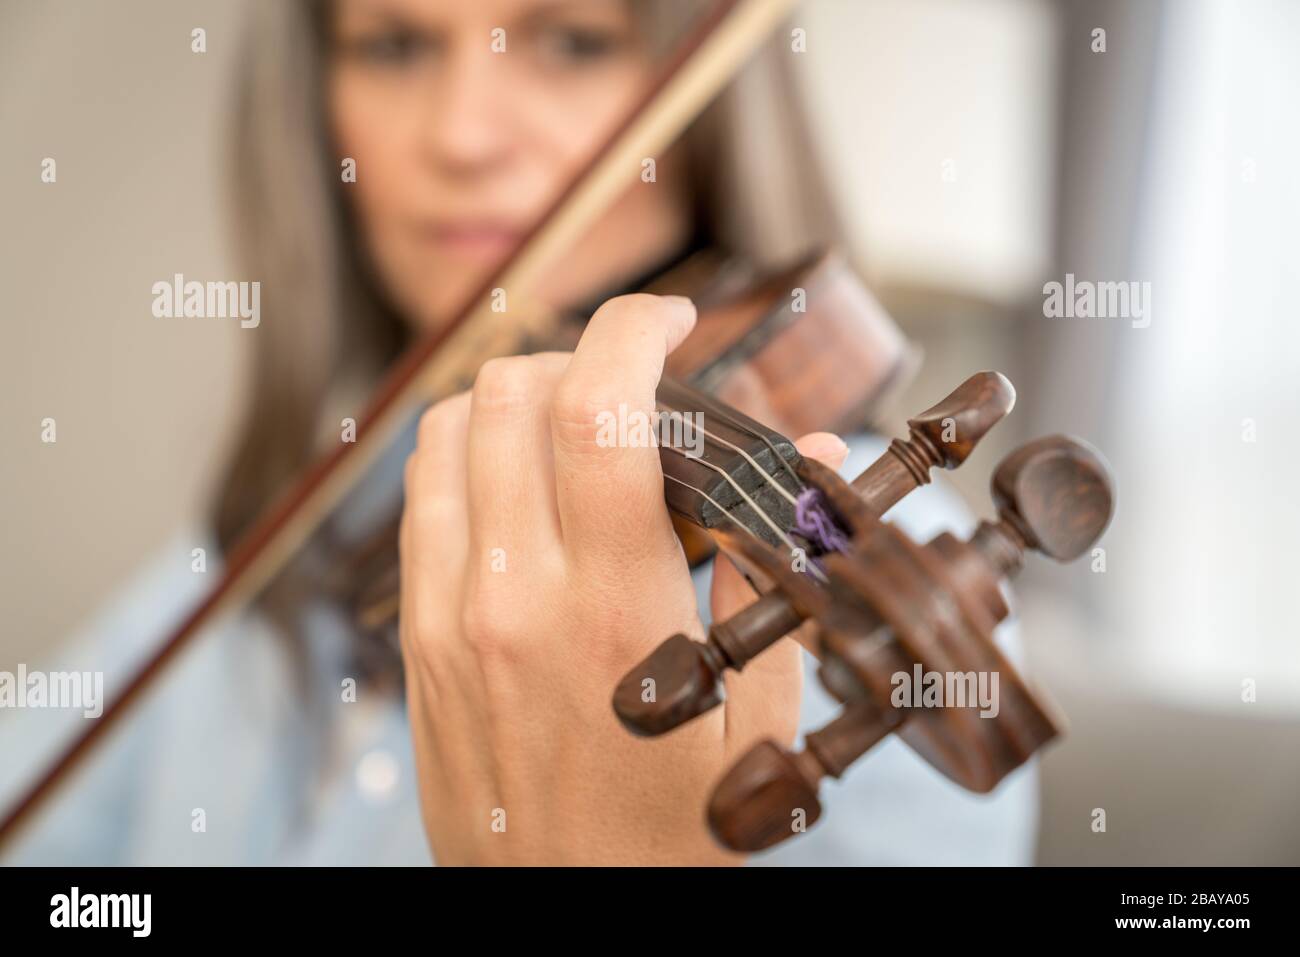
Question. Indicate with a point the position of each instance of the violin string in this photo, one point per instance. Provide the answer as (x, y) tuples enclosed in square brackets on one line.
[(767, 476), (768, 520), (758, 510), (811, 567), (714, 502), (726, 414), (780, 458), (721, 412)]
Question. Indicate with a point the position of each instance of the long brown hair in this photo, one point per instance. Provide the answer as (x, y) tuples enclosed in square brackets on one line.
[(328, 330)]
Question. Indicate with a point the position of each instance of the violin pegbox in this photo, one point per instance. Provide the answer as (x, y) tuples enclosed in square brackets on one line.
[(904, 631), (688, 675)]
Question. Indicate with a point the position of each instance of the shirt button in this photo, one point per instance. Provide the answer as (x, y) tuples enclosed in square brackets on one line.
[(377, 776)]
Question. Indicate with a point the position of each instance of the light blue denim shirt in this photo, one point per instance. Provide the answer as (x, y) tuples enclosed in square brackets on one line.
[(280, 770)]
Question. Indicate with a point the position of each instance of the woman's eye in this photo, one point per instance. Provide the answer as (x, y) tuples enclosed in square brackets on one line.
[(578, 45), (396, 48)]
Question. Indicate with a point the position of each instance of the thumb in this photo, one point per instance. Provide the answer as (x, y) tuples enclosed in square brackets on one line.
[(763, 700)]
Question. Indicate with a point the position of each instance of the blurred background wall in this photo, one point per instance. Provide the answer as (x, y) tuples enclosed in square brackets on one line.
[(981, 149), (134, 123)]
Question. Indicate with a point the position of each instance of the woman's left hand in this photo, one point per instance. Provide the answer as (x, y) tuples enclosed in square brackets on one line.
[(538, 565)]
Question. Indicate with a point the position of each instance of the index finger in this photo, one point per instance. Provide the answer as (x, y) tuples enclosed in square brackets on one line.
[(609, 485)]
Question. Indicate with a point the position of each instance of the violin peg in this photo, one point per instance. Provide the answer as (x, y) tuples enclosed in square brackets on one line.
[(758, 803), (1053, 495), (956, 425), (1059, 493), (678, 681), (943, 436), (682, 679), (770, 794)]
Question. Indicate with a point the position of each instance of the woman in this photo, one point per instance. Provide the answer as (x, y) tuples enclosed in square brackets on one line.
[(461, 121)]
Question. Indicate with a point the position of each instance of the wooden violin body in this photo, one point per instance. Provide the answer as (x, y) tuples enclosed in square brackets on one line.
[(803, 348)]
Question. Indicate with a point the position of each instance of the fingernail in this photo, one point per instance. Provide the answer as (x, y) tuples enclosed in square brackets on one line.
[(683, 312), (834, 444), (826, 447), (682, 306)]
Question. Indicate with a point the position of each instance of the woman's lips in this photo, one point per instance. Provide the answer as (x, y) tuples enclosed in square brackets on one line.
[(472, 240)]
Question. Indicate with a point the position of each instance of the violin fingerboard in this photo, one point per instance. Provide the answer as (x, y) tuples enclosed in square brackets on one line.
[(721, 467)]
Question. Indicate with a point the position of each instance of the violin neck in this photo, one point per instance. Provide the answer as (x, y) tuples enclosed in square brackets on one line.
[(721, 467)]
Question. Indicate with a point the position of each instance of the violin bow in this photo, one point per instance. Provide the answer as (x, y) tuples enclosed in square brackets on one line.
[(701, 65)]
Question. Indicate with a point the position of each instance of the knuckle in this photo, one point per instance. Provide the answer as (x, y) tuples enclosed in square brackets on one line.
[(441, 509), (486, 632), (438, 422), (417, 628), (414, 635), (423, 652), (509, 384), (577, 413), (586, 413), (604, 614), (424, 508)]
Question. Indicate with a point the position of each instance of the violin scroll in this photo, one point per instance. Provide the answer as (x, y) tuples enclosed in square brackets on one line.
[(1054, 496), (682, 679), (889, 611)]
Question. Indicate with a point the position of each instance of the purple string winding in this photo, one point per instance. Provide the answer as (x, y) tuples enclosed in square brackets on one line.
[(813, 520)]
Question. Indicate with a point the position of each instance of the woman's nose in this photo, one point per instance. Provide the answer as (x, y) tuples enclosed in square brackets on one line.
[(468, 126)]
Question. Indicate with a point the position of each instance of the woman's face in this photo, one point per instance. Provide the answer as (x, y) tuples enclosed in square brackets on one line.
[(459, 147)]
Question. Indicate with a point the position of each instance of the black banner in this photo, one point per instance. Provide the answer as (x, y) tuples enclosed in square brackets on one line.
[(656, 907)]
